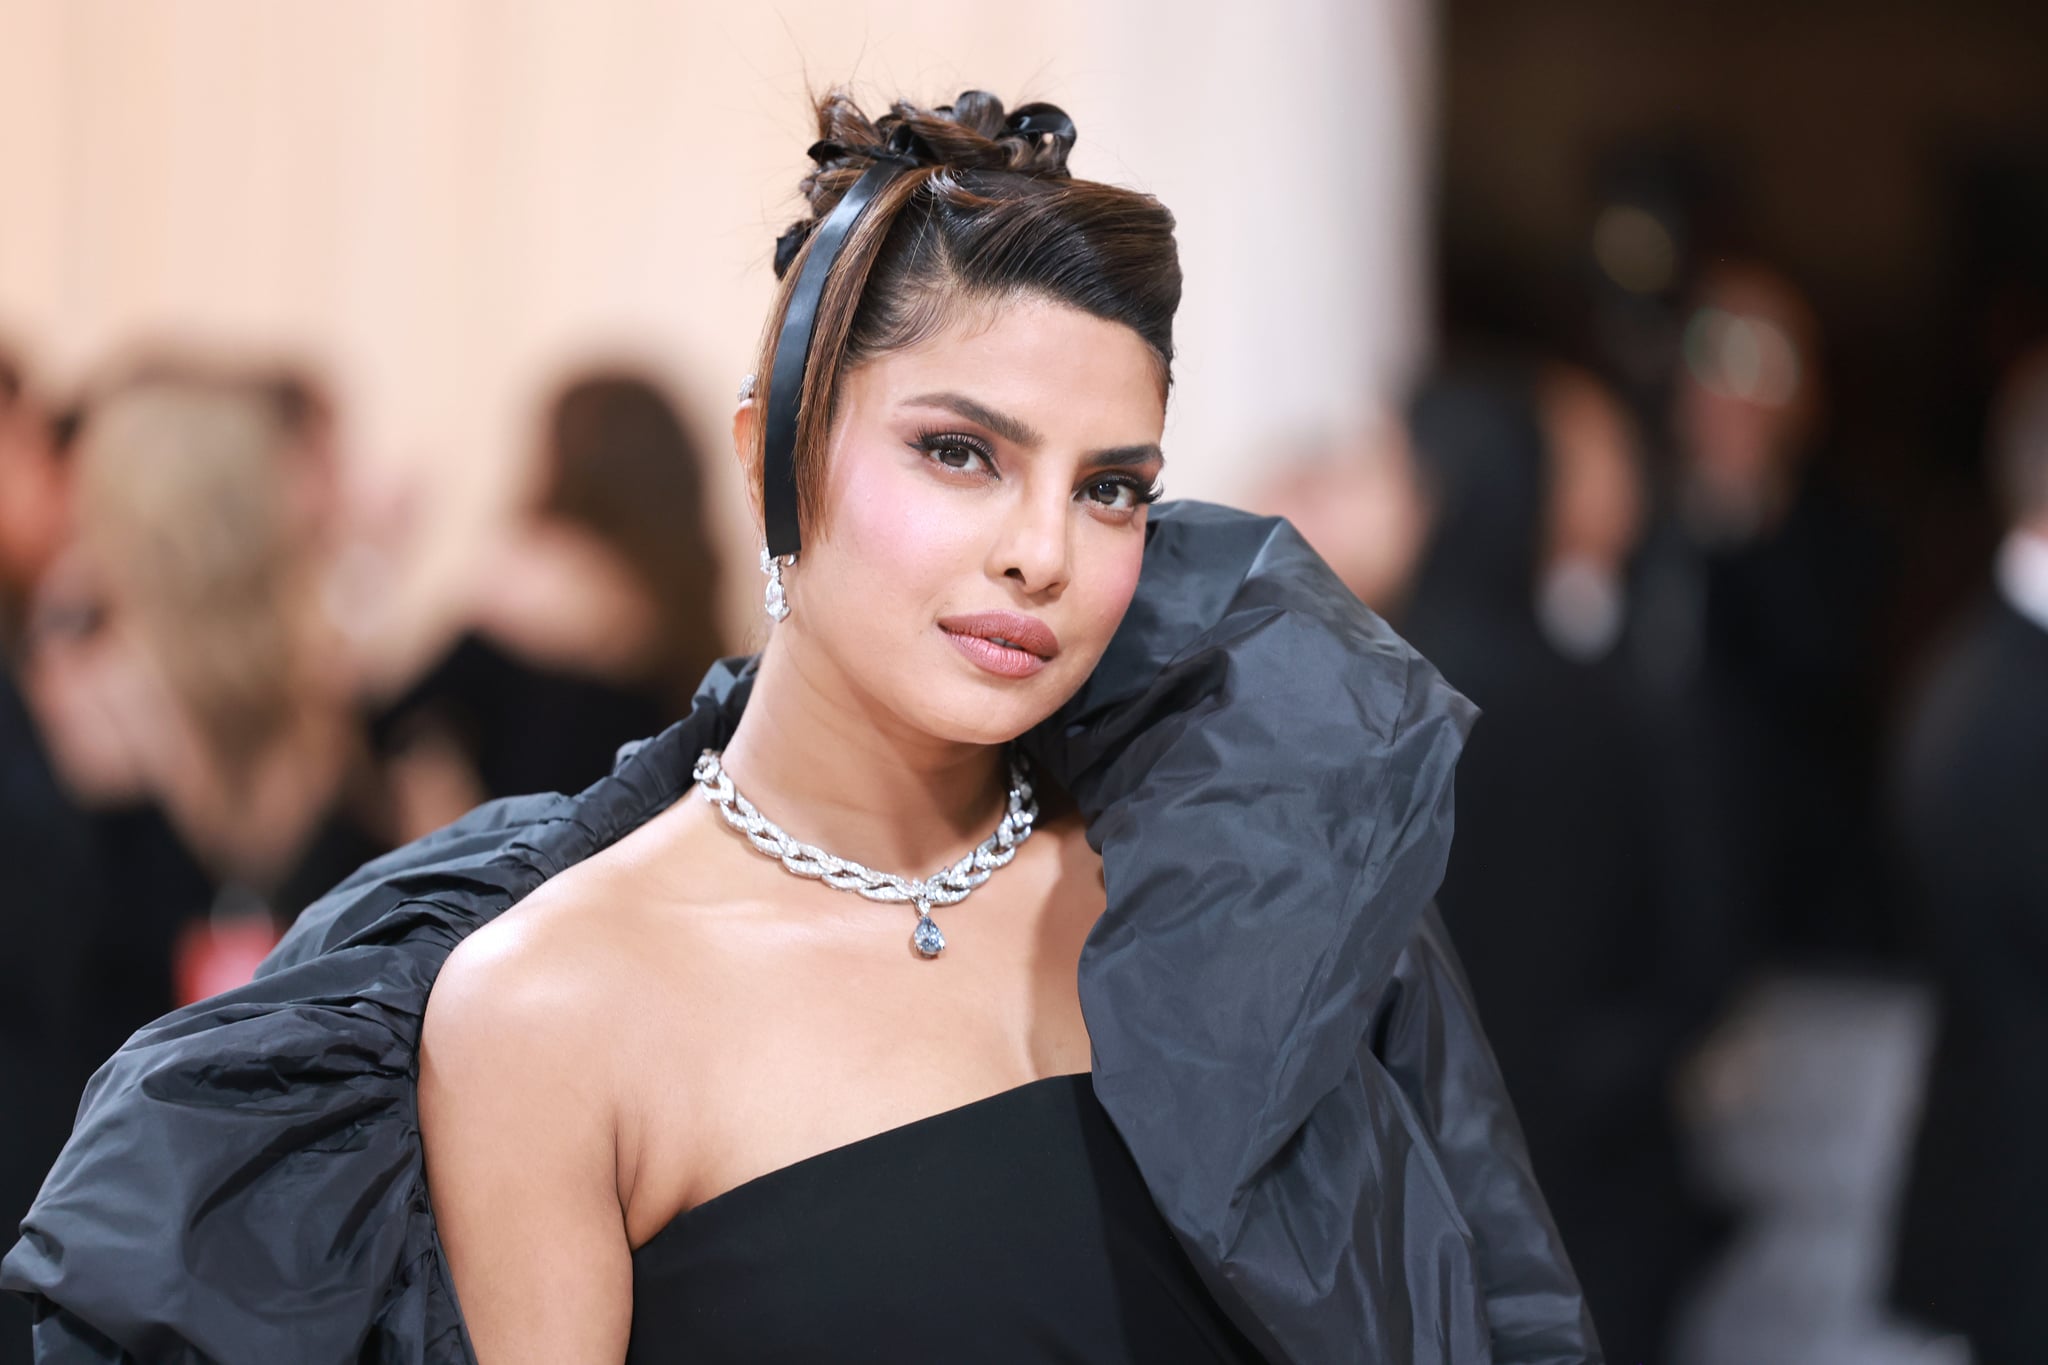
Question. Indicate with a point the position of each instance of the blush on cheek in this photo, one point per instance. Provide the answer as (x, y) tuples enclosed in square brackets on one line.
[(895, 522), (1106, 584)]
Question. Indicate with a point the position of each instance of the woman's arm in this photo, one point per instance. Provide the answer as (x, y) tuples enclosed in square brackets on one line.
[(516, 1113)]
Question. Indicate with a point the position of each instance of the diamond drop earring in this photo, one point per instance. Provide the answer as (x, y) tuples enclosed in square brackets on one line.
[(776, 604)]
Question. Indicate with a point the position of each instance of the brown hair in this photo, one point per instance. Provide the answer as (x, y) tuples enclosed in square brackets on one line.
[(989, 213), (621, 464)]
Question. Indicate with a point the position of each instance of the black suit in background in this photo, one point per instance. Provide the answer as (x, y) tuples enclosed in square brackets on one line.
[(1762, 658), (51, 909), (1973, 1248), (1579, 938), (524, 727)]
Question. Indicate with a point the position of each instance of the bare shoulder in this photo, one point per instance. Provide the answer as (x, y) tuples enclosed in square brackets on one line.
[(529, 980), (517, 1016), (558, 986), (550, 977), (526, 1067)]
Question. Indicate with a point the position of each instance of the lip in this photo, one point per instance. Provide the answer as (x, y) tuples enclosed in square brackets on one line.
[(1006, 643)]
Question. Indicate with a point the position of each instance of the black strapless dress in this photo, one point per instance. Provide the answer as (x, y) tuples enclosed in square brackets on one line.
[(1015, 1230)]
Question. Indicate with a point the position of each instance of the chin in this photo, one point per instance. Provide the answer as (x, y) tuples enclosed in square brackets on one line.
[(969, 715), (961, 707)]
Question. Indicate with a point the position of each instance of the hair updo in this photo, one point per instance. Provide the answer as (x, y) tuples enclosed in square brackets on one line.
[(988, 212)]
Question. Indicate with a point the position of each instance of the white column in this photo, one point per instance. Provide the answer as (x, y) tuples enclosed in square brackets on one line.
[(1291, 139)]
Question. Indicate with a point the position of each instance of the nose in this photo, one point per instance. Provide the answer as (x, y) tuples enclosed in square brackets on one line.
[(1033, 547)]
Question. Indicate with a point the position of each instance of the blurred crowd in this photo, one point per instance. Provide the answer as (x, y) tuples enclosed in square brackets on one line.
[(192, 748), (1701, 765), (1696, 763)]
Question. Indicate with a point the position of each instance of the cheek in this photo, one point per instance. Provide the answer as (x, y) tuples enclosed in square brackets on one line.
[(895, 530), (1105, 579)]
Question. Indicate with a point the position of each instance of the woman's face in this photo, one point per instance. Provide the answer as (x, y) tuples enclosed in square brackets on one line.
[(984, 521)]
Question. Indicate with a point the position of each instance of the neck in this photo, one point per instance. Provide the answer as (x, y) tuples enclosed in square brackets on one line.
[(835, 769)]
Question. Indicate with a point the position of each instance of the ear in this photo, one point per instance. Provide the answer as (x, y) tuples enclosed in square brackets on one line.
[(746, 446)]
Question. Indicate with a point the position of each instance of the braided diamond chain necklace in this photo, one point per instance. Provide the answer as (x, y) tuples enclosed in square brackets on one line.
[(947, 886)]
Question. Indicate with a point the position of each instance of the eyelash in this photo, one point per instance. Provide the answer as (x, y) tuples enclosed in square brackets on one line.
[(934, 442)]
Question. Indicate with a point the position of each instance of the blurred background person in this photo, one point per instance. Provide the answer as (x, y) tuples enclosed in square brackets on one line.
[(34, 497), (192, 689), (1580, 946), (1598, 507), (1359, 503), (1759, 625), (51, 894), (1972, 809), (589, 625)]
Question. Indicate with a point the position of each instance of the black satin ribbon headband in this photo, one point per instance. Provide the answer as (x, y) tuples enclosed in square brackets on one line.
[(793, 354), (905, 151)]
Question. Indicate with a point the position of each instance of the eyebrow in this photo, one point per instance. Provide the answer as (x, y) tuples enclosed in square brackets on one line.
[(1019, 432), (1002, 424), (1124, 455)]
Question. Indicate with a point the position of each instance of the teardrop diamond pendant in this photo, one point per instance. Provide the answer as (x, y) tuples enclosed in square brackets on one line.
[(926, 938)]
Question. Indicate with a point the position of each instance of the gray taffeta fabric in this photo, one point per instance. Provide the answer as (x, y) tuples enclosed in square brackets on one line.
[(1281, 1032)]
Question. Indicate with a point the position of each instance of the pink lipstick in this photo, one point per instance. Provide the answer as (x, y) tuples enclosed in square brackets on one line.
[(1006, 643)]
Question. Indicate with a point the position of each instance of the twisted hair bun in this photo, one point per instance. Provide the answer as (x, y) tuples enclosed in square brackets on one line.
[(971, 136)]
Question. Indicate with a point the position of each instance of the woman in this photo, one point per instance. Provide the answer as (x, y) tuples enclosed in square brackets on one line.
[(670, 1102), (589, 625), (195, 692)]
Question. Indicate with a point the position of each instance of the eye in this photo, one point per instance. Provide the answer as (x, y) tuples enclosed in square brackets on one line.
[(954, 450), (1120, 492)]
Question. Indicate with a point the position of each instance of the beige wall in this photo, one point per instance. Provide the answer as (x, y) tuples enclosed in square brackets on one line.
[(445, 202)]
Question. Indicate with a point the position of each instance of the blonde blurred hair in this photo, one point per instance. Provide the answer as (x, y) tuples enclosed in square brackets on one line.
[(184, 507)]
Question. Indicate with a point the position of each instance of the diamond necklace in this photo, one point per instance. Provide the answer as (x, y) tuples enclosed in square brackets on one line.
[(947, 886)]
